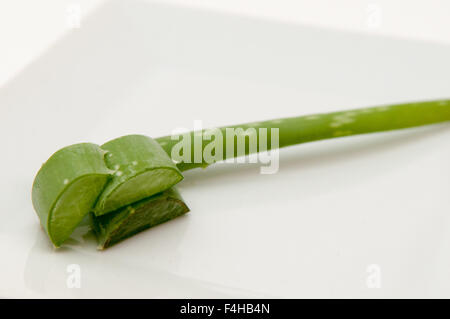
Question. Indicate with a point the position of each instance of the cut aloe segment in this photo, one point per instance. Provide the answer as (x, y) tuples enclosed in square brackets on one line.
[(67, 187), (116, 226), (142, 168)]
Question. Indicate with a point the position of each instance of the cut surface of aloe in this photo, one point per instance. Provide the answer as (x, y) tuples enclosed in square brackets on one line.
[(66, 188), (114, 227), (142, 169)]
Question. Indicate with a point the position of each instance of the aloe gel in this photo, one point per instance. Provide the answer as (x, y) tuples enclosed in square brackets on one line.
[(66, 188), (119, 225), (141, 169)]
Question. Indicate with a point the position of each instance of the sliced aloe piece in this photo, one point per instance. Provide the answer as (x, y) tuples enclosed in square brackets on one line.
[(116, 226), (67, 187), (142, 168)]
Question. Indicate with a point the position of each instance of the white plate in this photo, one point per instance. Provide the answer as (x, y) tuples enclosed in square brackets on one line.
[(337, 215)]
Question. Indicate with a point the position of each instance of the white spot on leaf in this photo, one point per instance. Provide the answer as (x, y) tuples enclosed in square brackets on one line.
[(342, 119), (335, 124)]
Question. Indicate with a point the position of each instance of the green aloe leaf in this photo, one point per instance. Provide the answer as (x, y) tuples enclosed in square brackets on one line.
[(316, 127), (129, 188), (114, 227), (66, 188), (142, 169)]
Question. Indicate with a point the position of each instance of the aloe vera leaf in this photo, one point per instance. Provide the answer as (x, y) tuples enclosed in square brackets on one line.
[(47, 190), (142, 169), (116, 226), (66, 188), (303, 129)]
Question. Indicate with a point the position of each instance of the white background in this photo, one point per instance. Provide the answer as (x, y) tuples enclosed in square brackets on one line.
[(28, 27)]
